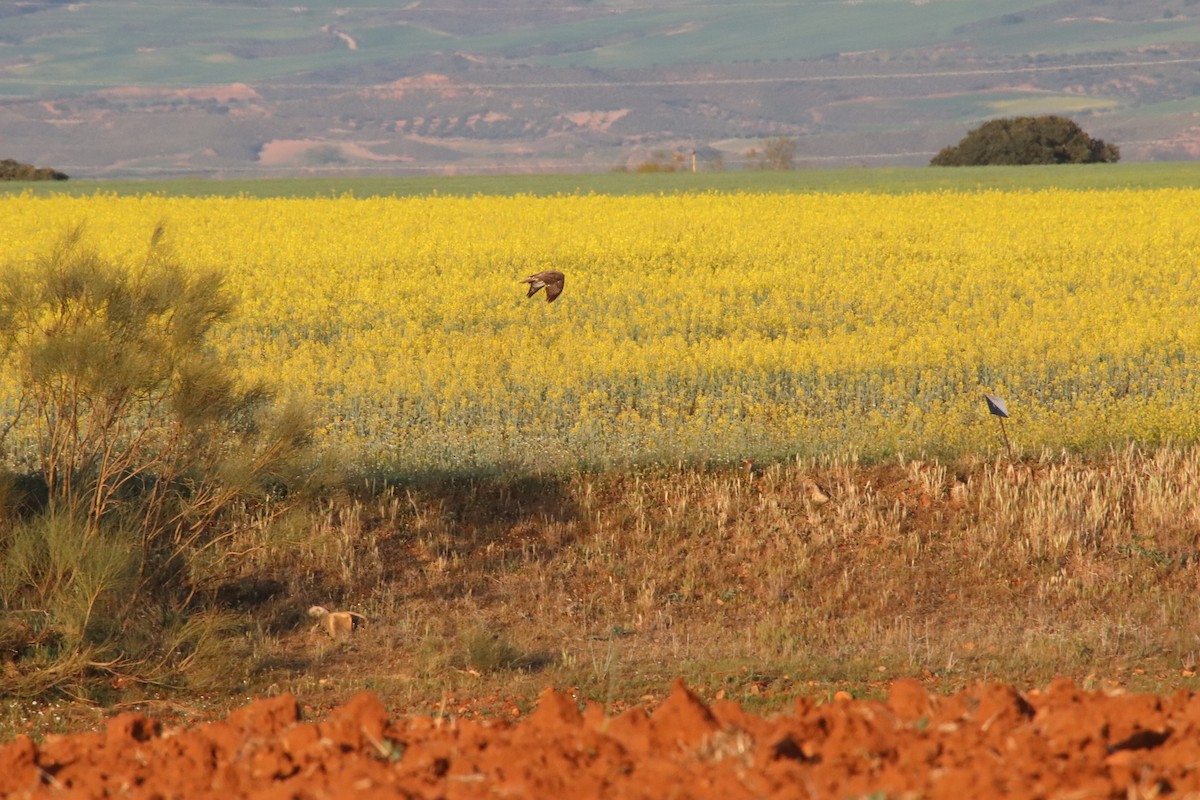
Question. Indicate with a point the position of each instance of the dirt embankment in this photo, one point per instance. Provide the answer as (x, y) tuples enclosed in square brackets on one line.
[(988, 741)]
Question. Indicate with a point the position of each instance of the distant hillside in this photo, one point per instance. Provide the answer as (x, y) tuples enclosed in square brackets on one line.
[(247, 87)]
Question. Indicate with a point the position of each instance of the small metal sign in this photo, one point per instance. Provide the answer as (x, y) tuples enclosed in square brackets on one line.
[(999, 408), (996, 405)]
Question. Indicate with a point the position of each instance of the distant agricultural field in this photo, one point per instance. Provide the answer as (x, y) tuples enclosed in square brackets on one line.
[(703, 326)]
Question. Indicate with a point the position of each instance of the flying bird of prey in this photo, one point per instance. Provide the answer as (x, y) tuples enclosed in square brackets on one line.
[(551, 281)]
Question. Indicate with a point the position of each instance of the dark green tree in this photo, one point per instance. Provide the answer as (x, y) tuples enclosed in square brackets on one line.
[(12, 170), (1046, 139)]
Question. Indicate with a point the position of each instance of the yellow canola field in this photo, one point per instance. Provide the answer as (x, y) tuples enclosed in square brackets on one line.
[(702, 326)]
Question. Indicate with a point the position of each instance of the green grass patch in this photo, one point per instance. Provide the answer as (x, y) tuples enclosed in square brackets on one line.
[(884, 180), (1034, 105)]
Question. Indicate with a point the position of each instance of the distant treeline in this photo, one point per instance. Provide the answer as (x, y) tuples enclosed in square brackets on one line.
[(11, 170)]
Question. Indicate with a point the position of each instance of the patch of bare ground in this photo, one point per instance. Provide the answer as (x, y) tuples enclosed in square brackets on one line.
[(986, 741)]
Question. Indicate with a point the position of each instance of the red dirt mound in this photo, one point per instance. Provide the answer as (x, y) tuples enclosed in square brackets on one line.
[(988, 741)]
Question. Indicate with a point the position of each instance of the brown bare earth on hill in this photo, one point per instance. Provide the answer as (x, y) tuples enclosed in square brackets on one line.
[(233, 91), (988, 740)]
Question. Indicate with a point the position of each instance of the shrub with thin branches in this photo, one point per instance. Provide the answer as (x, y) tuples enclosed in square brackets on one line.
[(146, 441)]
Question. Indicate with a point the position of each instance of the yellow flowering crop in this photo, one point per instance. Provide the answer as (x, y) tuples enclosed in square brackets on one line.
[(703, 326)]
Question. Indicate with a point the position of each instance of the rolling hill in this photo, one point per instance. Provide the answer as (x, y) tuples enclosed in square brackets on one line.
[(116, 88)]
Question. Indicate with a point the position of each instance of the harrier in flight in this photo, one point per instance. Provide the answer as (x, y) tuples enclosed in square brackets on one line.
[(552, 281)]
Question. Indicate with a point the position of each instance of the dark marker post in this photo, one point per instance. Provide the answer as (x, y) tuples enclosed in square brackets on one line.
[(998, 408)]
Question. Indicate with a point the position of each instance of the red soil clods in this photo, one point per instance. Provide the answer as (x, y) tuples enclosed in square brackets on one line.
[(987, 741)]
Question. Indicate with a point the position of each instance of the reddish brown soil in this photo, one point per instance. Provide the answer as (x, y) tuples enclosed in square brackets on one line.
[(989, 741)]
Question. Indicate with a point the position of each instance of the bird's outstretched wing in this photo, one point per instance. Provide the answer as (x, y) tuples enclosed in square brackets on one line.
[(550, 280)]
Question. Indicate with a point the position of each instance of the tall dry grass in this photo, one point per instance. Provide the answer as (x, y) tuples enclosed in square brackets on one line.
[(751, 585), (614, 583)]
